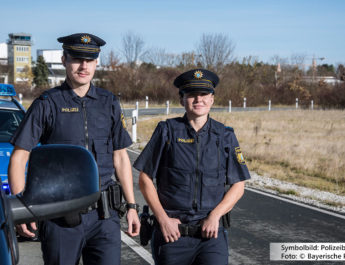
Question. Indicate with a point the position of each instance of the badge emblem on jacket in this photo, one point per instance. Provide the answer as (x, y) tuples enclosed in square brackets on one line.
[(239, 156), (123, 121)]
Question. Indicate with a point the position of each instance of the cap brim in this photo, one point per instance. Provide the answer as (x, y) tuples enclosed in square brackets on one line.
[(83, 55), (196, 89)]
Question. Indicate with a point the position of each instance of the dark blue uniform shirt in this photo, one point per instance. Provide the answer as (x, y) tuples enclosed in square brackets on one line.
[(59, 116), (192, 169)]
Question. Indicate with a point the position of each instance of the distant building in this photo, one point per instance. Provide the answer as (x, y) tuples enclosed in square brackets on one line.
[(4, 72), (19, 56), (52, 58), (3, 54), (331, 80)]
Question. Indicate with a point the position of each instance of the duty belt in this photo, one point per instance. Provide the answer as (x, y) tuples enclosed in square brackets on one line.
[(98, 204), (190, 230), (111, 198)]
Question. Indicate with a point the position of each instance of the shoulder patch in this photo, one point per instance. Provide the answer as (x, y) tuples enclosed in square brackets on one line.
[(123, 121), (239, 156)]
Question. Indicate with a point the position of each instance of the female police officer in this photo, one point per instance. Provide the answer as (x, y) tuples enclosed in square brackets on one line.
[(192, 158), (79, 113)]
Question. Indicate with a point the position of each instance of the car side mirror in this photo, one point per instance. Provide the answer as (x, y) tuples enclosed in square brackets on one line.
[(61, 179)]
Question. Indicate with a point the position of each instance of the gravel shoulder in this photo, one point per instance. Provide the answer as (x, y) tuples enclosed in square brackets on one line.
[(321, 199)]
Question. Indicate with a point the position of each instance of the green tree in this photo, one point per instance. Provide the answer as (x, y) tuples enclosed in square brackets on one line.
[(41, 73), (326, 69)]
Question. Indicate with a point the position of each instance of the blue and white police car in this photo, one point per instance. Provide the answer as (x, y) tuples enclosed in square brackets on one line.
[(11, 114)]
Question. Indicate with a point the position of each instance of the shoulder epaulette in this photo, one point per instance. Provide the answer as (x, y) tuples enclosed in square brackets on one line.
[(48, 93), (43, 96), (229, 128), (103, 92)]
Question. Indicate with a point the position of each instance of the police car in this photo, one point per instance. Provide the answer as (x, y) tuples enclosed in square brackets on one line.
[(11, 114)]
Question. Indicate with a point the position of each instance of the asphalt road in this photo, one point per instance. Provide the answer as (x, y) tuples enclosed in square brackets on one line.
[(156, 111), (256, 221)]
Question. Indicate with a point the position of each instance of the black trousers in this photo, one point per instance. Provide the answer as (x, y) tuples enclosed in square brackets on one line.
[(97, 242)]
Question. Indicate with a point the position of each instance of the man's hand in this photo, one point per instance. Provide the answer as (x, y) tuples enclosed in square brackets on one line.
[(23, 229), (210, 226), (169, 228), (133, 223)]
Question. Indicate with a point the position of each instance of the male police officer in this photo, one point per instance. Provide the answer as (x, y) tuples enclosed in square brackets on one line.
[(81, 114), (192, 158)]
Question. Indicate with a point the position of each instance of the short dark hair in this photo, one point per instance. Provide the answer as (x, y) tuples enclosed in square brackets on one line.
[(65, 53)]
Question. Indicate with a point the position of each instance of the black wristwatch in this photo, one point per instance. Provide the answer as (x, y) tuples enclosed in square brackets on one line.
[(132, 206)]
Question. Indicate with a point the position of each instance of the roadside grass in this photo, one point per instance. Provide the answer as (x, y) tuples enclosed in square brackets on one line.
[(26, 103), (282, 191), (299, 146)]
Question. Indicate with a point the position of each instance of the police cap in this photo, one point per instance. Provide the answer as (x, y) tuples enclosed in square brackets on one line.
[(197, 80), (82, 45)]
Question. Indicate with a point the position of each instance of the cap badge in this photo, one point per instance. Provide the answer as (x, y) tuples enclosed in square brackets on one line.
[(198, 74), (85, 39)]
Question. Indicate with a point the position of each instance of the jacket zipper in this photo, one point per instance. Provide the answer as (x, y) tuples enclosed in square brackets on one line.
[(218, 151), (197, 172), (85, 126)]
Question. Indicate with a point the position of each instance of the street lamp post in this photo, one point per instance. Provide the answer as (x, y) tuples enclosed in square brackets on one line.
[(314, 65), (276, 74)]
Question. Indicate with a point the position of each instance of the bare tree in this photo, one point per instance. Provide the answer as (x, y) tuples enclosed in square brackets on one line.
[(132, 47), (187, 59), (159, 57), (112, 61), (298, 60), (215, 50), (341, 72)]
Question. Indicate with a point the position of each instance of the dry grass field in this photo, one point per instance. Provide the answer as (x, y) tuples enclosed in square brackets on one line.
[(301, 146)]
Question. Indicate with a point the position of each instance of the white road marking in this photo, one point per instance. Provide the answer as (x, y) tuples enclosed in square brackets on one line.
[(135, 152), (142, 252), (297, 203)]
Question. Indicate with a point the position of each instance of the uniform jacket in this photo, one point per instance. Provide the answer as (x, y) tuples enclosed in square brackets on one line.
[(192, 169), (59, 116)]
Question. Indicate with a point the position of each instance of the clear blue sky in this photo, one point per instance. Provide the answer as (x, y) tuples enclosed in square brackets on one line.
[(262, 28)]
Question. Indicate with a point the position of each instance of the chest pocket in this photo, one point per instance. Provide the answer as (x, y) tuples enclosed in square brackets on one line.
[(211, 156), (67, 127), (213, 173), (103, 152), (99, 121), (183, 151)]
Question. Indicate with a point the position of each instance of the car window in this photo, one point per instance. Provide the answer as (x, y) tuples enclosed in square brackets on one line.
[(9, 122)]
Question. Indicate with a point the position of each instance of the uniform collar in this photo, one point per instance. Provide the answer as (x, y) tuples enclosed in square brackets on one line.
[(92, 93), (204, 128), (69, 94)]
